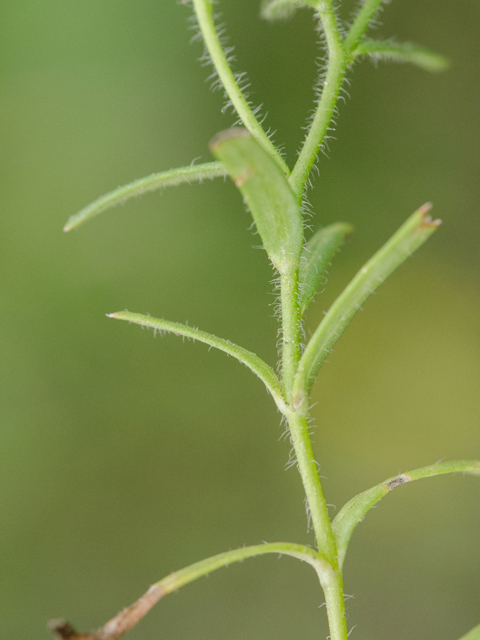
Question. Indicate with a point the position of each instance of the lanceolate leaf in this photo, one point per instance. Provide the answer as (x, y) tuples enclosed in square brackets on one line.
[(316, 257), (401, 245), (401, 52), (251, 360), (362, 21), (267, 193), (174, 177), (354, 511)]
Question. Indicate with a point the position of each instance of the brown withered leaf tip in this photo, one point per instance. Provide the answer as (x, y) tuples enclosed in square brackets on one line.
[(117, 626), (64, 631), (427, 220)]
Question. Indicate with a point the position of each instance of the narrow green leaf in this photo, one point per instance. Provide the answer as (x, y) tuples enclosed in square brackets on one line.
[(204, 10), (474, 634), (316, 256), (402, 52), (354, 511), (401, 245), (178, 579), (267, 193), (279, 9), (156, 181), (251, 360), (362, 21)]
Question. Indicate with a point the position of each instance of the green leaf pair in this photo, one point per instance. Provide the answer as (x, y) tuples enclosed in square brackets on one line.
[(278, 218), (411, 235)]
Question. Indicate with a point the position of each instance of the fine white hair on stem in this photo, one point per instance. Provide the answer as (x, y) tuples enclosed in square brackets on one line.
[(241, 78)]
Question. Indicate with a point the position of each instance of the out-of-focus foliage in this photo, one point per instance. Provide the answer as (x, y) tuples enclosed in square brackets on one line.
[(125, 457)]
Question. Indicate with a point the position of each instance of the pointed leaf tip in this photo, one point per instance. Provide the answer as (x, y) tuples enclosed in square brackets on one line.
[(156, 181), (389, 50), (411, 235), (248, 358)]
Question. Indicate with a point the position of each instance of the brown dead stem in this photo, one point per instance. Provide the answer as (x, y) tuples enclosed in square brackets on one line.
[(117, 626)]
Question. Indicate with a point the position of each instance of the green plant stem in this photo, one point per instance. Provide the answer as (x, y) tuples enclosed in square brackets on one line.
[(290, 330), (308, 469), (204, 13), (298, 424), (360, 24), (328, 100), (331, 579), (332, 583)]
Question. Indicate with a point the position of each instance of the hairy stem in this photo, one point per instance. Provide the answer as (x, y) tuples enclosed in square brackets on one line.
[(331, 579), (204, 13), (328, 100), (297, 415), (360, 24), (308, 469), (332, 584), (290, 331)]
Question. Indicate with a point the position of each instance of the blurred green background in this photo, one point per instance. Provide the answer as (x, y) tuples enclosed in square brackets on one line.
[(125, 457)]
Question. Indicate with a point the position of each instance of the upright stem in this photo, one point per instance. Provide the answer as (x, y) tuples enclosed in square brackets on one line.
[(290, 330), (296, 410), (204, 13), (297, 415), (298, 419), (332, 583), (360, 25), (308, 469), (328, 100)]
